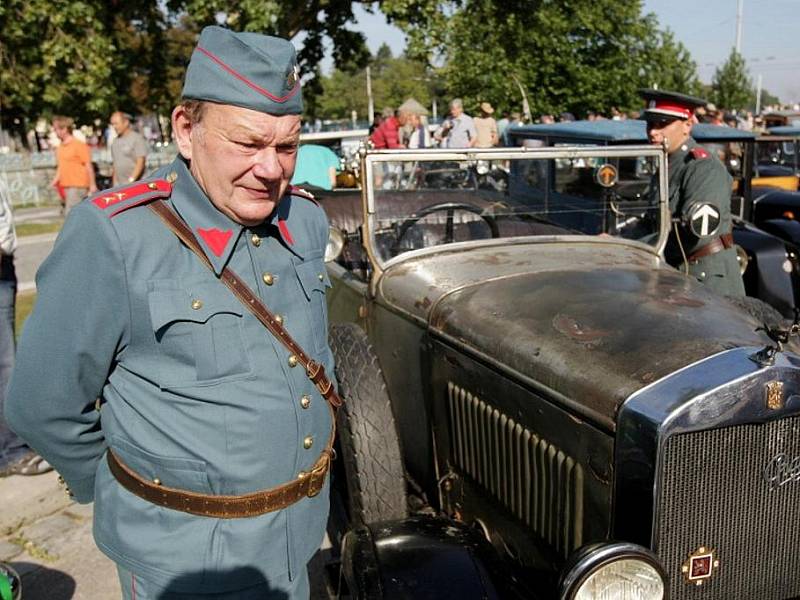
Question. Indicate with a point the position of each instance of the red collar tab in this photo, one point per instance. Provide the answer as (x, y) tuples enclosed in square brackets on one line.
[(670, 107), (123, 198), (215, 239), (699, 152), (287, 235)]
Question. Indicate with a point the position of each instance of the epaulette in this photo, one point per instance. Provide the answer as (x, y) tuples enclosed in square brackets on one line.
[(117, 200), (297, 191), (698, 152)]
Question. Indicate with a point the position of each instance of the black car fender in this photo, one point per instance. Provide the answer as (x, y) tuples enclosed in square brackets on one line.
[(772, 273), (421, 558)]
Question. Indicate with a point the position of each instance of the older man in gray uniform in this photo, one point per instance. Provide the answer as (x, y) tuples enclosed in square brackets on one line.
[(699, 195), (206, 454)]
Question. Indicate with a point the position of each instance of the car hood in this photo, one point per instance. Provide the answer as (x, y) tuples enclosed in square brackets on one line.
[(591, 321)]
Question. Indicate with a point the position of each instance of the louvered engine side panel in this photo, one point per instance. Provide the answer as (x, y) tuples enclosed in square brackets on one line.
[(537, 482)]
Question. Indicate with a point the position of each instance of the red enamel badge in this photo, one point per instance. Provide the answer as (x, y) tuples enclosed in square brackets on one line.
[(215, 239), (699, 153)]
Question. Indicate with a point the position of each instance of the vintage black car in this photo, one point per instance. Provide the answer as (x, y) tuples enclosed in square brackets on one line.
[(536, 405), (777, 156), (768, 250)]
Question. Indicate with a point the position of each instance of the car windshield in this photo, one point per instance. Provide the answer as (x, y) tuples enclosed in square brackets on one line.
[(423, 200)]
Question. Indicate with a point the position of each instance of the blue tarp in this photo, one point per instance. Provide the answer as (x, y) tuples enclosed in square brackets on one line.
[(790, 130), (628, 131)]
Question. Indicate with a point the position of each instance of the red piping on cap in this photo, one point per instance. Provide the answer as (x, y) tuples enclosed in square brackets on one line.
[(249, 83), (673, 108)]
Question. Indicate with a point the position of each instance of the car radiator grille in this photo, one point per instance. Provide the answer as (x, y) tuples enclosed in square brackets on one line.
[(537, 482), (714, 494)]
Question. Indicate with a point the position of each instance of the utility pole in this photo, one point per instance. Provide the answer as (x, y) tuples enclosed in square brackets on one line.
[(370, 103), (758, 95), (739, 10)]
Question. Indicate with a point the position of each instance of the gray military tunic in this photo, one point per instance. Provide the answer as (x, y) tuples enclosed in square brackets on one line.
[(195, 391), (697, 178)]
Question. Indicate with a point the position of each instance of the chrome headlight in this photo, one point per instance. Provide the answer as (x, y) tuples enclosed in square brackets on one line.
[(335, 244), (482, 167), (618, 571)]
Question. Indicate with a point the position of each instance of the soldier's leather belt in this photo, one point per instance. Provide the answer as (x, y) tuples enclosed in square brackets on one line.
[(307, 485), (718, 244)]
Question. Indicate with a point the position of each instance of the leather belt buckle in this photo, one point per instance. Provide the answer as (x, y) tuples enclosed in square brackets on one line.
[(317, 476)]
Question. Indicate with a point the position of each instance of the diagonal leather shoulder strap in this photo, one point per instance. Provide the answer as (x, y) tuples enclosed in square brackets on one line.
[(314, 370)]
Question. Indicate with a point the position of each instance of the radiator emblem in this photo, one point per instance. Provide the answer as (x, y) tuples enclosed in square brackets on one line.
[(782, 469), (700, 565), (774, 390)]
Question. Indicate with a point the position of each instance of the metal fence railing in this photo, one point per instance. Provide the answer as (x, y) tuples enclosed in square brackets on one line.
[(27, 176)]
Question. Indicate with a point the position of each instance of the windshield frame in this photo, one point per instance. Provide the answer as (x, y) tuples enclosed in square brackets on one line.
[(371, 158)]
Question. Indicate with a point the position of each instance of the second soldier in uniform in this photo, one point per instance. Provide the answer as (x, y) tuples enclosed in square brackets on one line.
[(701, 242)]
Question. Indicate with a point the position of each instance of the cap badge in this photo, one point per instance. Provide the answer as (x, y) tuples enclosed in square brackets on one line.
[(699, 566), (293, 77)]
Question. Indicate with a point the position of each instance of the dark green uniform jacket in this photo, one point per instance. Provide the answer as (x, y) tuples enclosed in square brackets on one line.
[(696, 177), (195, 391)]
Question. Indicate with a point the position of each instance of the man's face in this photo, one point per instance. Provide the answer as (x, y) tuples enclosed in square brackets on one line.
[(119, 123), (674, 131), (243, 159), (456, 110), (62, 132)]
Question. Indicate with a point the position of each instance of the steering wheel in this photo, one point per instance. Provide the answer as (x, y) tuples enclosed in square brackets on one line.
[(450, 208)]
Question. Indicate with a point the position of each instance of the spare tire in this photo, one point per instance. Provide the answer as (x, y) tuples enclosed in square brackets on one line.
[(370, 461)]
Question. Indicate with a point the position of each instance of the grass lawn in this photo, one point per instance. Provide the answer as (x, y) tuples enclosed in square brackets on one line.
[(24, 229), (24, 305)]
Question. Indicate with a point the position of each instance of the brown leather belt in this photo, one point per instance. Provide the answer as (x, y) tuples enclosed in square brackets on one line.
[(223, 507), (719, 244), (307, 485)]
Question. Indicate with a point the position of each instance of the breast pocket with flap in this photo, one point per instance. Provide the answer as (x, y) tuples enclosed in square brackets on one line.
[(315, 282), (198, 331)]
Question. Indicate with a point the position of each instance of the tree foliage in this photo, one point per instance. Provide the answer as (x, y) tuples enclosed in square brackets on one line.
[(82, 58), (394, 80), (731, 85), (86, 58), (578, 56)]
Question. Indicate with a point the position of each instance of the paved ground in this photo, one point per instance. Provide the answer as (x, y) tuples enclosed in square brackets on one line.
[(48, 539), (32, 249)]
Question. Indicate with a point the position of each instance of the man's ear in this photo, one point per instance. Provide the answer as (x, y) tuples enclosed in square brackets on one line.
[(182, 130)]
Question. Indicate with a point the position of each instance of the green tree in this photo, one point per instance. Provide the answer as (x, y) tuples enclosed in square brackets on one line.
[(767, 98), (731, 85), (316, 20), (394, 80), (578, 56), (80, 58), (54, 61), (666, 63)]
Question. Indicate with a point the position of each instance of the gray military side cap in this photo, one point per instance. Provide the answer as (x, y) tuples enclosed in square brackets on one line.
[(245, 69)]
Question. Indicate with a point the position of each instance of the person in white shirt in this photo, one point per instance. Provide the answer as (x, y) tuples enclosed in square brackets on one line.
[(16, 458)]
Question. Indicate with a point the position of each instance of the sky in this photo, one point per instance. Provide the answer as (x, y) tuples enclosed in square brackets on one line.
[(770, 37)]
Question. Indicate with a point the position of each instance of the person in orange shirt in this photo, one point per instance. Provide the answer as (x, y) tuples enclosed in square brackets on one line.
[(75, 172)]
